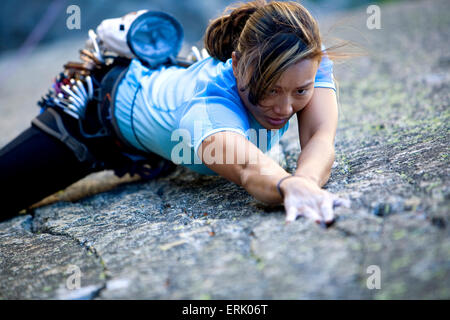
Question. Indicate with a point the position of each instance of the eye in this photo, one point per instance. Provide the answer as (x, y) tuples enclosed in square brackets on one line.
[(302, 92), (272, 92)]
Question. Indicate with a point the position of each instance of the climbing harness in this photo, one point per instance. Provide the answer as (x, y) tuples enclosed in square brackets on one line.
[(78, 108)]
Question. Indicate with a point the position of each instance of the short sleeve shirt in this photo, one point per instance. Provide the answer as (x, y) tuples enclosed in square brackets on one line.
[(172, 110)]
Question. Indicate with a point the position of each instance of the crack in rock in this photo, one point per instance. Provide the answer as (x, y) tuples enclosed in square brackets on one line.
[(86, 293)]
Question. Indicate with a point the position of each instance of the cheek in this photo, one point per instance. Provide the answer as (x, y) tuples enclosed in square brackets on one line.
[(309, 96), (301, 103), (299, 106)]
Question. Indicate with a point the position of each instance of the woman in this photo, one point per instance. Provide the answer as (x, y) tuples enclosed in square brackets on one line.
[(221, 114)]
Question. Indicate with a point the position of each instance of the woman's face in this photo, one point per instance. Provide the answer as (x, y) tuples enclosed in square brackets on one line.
[(290, 94)]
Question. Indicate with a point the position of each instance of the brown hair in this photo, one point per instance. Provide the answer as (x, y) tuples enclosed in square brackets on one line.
[(268, 38)]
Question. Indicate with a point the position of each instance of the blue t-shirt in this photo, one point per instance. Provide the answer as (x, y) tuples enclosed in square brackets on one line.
[(171, 110)]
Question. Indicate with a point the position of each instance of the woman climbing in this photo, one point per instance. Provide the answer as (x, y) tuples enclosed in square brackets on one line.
[(217, 116)]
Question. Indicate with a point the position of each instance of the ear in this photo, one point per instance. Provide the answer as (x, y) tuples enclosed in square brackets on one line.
[(234, 60)]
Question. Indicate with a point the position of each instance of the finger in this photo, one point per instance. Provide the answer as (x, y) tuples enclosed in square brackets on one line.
[(313, 215), (341, 202), (327, 211), (291, 214)]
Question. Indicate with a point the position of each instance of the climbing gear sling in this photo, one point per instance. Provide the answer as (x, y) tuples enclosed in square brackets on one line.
[(79, 108)]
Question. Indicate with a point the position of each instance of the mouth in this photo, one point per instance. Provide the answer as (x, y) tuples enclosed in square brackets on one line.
[(277, 121)]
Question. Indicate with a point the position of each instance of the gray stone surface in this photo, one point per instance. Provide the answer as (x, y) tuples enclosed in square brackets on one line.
[(198, 237)]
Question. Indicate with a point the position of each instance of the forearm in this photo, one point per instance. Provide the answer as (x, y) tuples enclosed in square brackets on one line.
[(316, 159), (244, 164), (260, 180)]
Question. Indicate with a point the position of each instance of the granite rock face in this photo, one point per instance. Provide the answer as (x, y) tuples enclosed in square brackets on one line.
[(188, 236)]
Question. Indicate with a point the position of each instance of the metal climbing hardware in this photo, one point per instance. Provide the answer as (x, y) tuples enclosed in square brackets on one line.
[(84, 93)]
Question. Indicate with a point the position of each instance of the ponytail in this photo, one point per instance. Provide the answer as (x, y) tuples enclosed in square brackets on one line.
[(223, 33), (268, 38)]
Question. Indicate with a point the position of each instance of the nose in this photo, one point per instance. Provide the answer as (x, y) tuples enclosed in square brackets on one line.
[(284, 107)]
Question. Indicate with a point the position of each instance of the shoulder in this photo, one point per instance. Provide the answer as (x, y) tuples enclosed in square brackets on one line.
[(215, 94)]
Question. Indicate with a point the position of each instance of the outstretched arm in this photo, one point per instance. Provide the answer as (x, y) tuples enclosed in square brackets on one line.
[(317, 130), (238, 160), (235, 158), (317, 124)]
